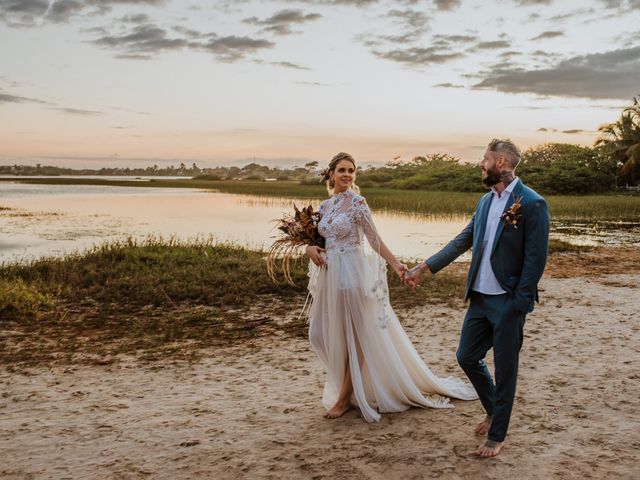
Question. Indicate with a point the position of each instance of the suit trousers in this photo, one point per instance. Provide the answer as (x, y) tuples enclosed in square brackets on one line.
[(492, 321)]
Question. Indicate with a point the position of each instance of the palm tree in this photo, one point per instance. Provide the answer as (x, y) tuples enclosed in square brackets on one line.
[(621, 140)]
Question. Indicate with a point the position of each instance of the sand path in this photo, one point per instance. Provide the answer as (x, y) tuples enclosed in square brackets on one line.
[(254, 411)]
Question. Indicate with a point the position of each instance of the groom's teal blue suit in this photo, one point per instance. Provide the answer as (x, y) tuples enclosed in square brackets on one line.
[(518, 258)]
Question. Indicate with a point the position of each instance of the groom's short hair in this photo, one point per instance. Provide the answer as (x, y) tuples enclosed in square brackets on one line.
[(508, 149)]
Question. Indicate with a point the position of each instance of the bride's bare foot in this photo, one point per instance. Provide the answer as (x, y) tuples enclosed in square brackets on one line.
[(483, 427), (490, 448), (338, 410)]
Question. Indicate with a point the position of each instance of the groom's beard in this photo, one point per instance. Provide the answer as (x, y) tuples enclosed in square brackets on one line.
[(492, 178)]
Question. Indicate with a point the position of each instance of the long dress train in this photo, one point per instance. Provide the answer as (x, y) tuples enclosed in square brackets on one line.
[(351, 320)]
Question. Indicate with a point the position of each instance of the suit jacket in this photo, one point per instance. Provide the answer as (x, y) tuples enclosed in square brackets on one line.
[(518, 255)]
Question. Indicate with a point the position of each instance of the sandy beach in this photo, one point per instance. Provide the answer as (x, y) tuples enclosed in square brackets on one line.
[(254, 410)]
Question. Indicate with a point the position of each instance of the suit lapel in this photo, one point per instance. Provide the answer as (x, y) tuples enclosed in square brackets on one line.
[(517, 191), (483, 213)]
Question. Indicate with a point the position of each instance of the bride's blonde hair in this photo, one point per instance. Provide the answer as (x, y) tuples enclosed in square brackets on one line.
[(326, 173)]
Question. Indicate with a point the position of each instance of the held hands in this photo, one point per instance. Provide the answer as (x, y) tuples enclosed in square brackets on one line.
[(412, 277), (316, 254), (401, 269)]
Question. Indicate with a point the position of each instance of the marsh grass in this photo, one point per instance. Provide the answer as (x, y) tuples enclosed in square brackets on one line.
[(561, 246), (161, 298), (144, 296), (21, 301), (429, 203)]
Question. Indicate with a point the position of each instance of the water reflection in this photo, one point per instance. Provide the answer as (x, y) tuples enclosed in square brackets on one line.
[(598, 233), (55, 219)]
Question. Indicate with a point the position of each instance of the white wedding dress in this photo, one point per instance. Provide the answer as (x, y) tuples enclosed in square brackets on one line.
[(351, 318)]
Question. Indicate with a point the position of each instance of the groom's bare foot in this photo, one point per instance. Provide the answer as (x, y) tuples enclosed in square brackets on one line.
[(483, 427), (490, 448), (338, 410)]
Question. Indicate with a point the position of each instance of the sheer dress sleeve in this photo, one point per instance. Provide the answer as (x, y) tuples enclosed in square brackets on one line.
[(364, 219)]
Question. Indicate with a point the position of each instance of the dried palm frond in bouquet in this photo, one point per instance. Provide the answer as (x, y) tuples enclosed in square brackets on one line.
[(298, 231)]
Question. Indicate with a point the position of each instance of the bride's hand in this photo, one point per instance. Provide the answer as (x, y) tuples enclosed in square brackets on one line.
[(401, 269), (314, 253)]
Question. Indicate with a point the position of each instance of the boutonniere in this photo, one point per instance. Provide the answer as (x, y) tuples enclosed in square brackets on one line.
[(512, 215)]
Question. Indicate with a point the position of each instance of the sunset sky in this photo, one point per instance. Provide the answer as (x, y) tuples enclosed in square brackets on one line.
[(93, 83)]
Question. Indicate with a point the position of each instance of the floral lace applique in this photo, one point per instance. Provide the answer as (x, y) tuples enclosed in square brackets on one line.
[(346, 218)]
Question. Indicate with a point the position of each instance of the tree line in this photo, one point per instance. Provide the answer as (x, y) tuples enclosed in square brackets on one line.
[(613, 163)]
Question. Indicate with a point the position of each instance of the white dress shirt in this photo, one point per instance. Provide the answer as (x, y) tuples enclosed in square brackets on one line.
[(486, 281)]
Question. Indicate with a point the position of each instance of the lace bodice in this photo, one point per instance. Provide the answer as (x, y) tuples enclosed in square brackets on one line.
[(345, 218)]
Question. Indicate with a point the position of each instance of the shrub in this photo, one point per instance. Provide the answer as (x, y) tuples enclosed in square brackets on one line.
[(18, 300)]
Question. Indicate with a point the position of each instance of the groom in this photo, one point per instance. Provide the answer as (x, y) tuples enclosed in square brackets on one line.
[(509, 235)]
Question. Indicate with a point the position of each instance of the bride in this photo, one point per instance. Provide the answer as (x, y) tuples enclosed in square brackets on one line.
[(370, 361)]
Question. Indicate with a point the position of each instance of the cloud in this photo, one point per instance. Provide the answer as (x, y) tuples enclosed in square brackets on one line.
[(623, 5), (510, 53), (105, 6), (295, 66), (548, 34), (7, 98), (543, 54), (413, 25), (9, 82), (355, 3), (142, 40), (448, 85), (32, 13), (61, 11), (609, 75), (493, 45), (401, 39), (411, 18), (627, 39), (77, 111), (136, 18), (110, 3), (418, 56), (313, 84), (447, 4), (232, 48), (22, 13), (461, 39), (526, 3), (573, 131), (571, 15), (187, 32), (283, 64), (280, 23)]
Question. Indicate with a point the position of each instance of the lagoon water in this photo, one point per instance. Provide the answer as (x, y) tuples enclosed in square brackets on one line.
[(43, 220)]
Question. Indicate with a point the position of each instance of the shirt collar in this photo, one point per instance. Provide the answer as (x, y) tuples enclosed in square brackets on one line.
[(509, 188)]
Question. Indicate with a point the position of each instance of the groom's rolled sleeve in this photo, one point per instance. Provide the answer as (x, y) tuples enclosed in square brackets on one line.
[(536, 244), (456, 247)]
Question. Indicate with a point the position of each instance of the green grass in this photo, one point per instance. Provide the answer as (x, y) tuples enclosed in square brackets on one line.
[(21, 301), (566, 207), (159, 297), (145, 296), (560, 246)]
